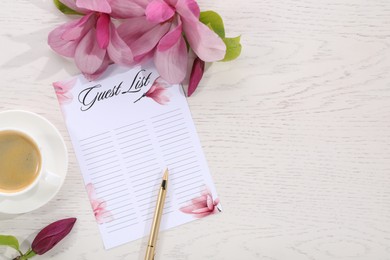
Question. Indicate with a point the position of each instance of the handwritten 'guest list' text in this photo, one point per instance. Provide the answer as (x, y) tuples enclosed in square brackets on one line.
[(90, 95), (126, 128)]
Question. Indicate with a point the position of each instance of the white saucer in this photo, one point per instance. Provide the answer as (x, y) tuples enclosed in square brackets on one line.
[(56, 160)]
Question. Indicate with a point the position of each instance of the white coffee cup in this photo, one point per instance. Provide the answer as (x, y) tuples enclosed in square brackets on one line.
[(10, 138)]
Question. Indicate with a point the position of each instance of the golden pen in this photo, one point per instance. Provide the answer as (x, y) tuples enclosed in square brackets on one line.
[(157, 218)]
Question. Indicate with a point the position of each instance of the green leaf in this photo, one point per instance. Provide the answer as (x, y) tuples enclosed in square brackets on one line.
[(233, 48), (9, 241), (63, 8), (214, 21)]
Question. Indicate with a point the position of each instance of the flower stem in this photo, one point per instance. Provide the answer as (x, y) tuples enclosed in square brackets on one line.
[(19, 256)]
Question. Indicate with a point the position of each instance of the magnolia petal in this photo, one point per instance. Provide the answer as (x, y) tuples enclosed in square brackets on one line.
[(58, 44), (196, 75), (192, 5), (161, 99), (80, 28), (100, 71), (171, 37), (131, 29), (103, 31), (107, 216), (197, 213), (207, 45), (157, 92), (210, 204), (99, 218), (118, 51), (62, 89), (90, 191), (202, 215), (58, 88), (72, 5), (187, 209), (151, 90), (102, 205), (149, 39), (89, 56), (201, 210), (128, 8), (94, 204), (101, 214), (200, 201), (147, 56), (94, 5), (201, 206), (172, 63), (159, 11), (171, 2)]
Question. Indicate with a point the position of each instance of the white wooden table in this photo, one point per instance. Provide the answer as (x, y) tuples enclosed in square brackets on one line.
[(296, 133)]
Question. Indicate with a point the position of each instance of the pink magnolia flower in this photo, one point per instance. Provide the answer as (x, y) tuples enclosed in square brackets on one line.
[(99, 206), (62, 91), (159, 32), (92, 40), (202, 206), (157, 92)]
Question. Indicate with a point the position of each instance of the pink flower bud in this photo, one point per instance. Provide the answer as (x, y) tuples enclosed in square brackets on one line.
[(196, 75), (48, 237)]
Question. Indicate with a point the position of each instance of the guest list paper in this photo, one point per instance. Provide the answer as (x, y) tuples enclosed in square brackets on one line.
[(126, 129)]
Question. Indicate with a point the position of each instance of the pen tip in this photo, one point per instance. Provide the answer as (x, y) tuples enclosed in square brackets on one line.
[(165, 176)]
